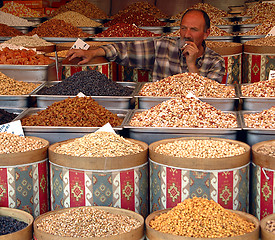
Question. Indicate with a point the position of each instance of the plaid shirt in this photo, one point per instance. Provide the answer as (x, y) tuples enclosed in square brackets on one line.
[(163, 57)]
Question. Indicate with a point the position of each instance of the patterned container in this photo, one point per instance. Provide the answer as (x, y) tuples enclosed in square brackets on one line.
[(257, 62), (263, 182), (24, 180), (129, 74), (81, 181), (224, 180)]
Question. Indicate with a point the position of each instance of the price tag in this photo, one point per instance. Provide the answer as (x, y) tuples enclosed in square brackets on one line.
[(80, 44), (80, 94), (271, 33), (13, 127), (271, 74), (106, 128), (191, 95)]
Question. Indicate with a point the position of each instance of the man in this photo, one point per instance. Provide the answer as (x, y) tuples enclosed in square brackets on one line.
[(166, 56)]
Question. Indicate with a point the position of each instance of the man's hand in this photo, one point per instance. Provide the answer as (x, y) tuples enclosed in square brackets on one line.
[(191, 53), (86, 55)]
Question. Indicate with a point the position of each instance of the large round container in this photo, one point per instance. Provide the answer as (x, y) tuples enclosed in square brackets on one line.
[(112, 181), (232, 55), (24, 180), (130, 74), (267, 235), (174, 179), (152, 234), (136, 234), (257, 62), (20, 215), (263, 178)]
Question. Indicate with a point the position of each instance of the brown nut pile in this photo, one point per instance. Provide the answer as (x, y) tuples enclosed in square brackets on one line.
[(180, 85), (73, 112), (267, 149), (201, 218), (257, 19), (200, 148), (87, 222), (261, 29), (9, 86), (259, 89), (270, 226), (99, 144), (57, 28), (220, 44), (264, 119), (77, 19), (260, 9), (266, 41), (11, 143), (7, 31), (83, 7), (185, 113)]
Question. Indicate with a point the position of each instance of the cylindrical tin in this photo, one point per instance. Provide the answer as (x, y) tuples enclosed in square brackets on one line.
[(135, 234), (153, 234), (19, 215), (257, 62), (24, 180), (262, 184), (112, 181), (174, 179)]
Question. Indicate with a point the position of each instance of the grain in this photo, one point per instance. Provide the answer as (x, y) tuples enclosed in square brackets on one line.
[(87, 222), (200, 149), (99, 144), (201, 218), (11, 143), (185, 113), (28, 41), (12, 20)]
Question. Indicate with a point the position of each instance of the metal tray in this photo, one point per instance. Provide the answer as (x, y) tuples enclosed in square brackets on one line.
[(255, 103), (30, 73), (112, 102), (224, 104), (62, 39), (119, 39), (244, 27), (16, 101), (36, 20), (153, 134), (155, 29), (60, 133), (23, 29), (3, 39), (255, 135), (90, 30), (227, 28), (221, 38), (243, 39)]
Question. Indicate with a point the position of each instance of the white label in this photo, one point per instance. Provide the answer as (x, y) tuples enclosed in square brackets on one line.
[(13, 127), (80, 44), (271, 33), (191, 95), (271, 74), (106, 128), (80, 94)]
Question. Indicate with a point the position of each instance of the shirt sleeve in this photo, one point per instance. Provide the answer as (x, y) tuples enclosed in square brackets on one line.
[(138, 54), (217, 69)]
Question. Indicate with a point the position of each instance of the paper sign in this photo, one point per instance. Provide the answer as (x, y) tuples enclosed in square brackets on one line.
[(271, 33), (191, 95), (271, 74), (80, 44), (106, 128), (80, 94), (13, 127)]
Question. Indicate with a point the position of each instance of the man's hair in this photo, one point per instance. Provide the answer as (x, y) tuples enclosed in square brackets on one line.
[(205, 16)]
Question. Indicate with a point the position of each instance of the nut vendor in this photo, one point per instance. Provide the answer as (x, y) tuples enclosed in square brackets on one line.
[(166, 56)]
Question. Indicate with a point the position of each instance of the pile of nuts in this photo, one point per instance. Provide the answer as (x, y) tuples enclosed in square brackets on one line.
[(83, 7), (20, 10), (57, 28), (77, 19), (267, 149), (126, 30), (99, 144), (263, 120), (6, 116), (265, 41), (261, 29), (9, 86), (180, 85), (7, 31), (201, 218), (184, 113), (11, 143), (28, 41), (220, 44), (73, 112), (260, 9), (259, 89), (87, 222), (200, 148), (11, 20), (138, 18), (270, 226)]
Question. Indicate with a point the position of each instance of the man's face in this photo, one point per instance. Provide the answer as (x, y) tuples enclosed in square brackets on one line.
[(192, 28)]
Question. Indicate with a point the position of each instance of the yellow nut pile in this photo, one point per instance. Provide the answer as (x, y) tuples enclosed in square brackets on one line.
[(201, 218), (200, 148)]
